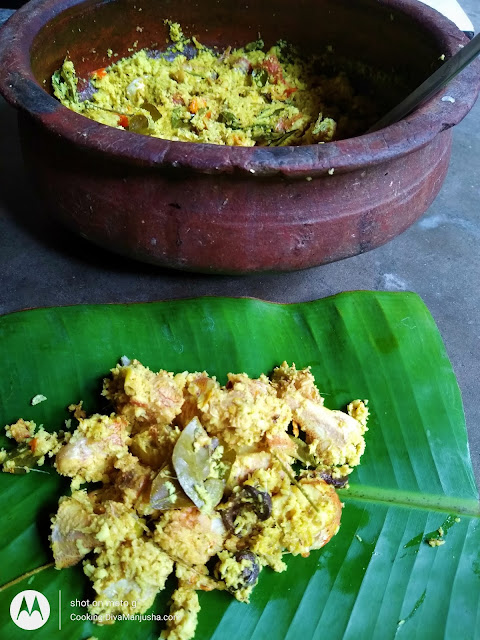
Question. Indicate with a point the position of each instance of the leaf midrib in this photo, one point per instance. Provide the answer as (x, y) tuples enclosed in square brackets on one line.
[(412, 500)]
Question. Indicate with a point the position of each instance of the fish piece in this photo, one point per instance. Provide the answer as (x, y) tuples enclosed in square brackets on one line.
[(190, 535), (93, 448), (336, 437), (130, 569), (184, 614), (144, 398), (154, 445), (132, 481), (305, 516), (325, 498), (242, 412), (73, 530)]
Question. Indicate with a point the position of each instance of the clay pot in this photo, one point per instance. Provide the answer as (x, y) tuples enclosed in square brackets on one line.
[(220, 209)]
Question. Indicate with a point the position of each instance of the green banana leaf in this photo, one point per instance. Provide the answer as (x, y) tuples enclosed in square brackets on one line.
[(377, 579)]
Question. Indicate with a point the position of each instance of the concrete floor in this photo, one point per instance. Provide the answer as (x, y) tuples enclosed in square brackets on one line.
[(439, 258)]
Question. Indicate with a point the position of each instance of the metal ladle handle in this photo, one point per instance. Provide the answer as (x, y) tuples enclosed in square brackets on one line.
[(439, 79)]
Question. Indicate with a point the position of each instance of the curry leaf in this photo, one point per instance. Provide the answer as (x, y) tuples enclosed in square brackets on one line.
[(176, 117), (229, 119), (260, 77), (64, 82), (255, 45)]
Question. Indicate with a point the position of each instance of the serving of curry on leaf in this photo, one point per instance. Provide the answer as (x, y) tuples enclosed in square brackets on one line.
[(211, 483)]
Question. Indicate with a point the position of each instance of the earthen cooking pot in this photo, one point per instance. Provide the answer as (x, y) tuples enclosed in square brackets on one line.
[(221, 209)]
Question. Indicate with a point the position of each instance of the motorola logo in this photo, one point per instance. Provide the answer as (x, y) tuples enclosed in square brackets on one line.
[(29, 610)]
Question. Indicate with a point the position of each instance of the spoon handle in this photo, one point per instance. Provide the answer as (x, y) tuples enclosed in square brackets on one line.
[(439, 79)]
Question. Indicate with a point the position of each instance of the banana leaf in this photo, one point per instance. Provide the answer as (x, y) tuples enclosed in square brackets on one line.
[(377, 579)]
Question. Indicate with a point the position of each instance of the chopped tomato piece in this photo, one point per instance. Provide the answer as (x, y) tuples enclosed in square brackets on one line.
[(289, 90), (274, 68), (285, 124), (99, 73), (123, 121), (196, 104)]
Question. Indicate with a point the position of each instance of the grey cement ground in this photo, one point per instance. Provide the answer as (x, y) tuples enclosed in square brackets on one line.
[(439, 258)]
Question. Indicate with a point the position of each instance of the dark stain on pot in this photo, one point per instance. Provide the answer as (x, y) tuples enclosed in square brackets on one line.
[(367, 229), (31, 96), (178, 239), (280, 157)]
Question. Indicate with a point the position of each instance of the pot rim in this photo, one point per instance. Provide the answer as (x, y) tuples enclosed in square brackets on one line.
[(20, 88)]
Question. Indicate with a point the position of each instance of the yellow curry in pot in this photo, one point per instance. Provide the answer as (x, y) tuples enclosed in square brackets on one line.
[(240, 96)]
